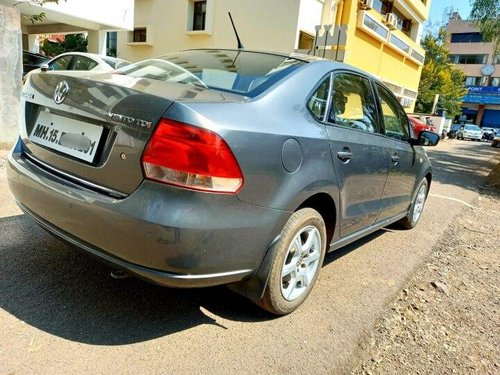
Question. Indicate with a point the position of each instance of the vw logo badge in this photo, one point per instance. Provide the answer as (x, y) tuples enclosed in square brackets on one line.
[(61, 92)]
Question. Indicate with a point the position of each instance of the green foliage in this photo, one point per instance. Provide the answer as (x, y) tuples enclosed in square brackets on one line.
[(486, 17), (71, 43), (439, 76)]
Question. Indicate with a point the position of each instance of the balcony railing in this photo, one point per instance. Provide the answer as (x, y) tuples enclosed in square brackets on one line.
[(392, 38)]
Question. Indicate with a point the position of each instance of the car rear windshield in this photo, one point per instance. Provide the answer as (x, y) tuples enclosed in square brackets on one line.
[(241, 72)]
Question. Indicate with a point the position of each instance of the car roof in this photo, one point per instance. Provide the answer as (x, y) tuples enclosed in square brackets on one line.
[(94, 56)]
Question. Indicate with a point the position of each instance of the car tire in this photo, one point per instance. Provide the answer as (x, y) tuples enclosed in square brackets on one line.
[(410, 221), (299, 254)]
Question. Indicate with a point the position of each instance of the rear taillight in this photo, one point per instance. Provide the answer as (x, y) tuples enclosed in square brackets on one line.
[(191, 157)]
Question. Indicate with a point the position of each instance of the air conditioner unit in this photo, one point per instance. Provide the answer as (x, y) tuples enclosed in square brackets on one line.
[(366, 4), (391, 21)]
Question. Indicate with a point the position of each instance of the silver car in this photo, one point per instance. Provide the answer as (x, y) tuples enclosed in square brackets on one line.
[(472, 132), (210, 167)]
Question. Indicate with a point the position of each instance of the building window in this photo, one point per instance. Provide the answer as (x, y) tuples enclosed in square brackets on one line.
[(495, 81), (306, 41), (473, 81), (111, 43), (139, 35), (468, 59), (466, 38), (199, 15), (383, 7), (496, 59)]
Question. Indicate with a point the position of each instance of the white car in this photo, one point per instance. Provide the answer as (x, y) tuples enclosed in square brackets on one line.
[(80, 61), (470, 132)]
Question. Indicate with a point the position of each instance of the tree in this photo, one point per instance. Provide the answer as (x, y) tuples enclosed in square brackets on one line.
[(36, 17), (71, 43), (486, 17), (439, 76)]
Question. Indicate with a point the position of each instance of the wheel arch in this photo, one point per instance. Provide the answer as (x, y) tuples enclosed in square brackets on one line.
[(254, 287), (326, 207)]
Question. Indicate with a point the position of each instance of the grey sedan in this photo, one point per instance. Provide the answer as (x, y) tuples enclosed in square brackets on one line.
[(210, 167)]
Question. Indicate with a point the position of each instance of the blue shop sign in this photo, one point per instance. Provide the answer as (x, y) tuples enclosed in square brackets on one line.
[(482, 95)]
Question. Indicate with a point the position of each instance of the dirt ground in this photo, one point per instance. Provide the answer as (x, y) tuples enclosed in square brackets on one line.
[(447, 317)]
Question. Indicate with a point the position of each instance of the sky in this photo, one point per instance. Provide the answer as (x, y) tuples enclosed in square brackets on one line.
[(439, 8)]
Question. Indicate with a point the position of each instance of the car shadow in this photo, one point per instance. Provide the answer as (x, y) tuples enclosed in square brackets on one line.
[(462, 168), (62, 291)]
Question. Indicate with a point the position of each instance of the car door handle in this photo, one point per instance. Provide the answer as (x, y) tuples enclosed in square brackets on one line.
[(395, 159), (345, 155)]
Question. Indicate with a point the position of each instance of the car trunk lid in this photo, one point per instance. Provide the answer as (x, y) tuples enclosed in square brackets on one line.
[(93, 129)]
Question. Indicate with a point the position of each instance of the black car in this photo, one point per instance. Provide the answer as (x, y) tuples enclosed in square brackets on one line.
[(452, 133), (32, 61)]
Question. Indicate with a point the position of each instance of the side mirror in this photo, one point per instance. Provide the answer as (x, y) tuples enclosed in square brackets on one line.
[(427, 138), (44, 67)]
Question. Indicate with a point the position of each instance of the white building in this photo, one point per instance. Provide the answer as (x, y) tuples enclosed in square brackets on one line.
[(94, 17)]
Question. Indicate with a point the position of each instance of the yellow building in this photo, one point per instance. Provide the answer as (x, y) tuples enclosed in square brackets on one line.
[(381, 37)]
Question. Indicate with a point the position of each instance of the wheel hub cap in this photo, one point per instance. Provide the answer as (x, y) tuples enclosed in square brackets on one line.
[(419, 203), (301, 263)]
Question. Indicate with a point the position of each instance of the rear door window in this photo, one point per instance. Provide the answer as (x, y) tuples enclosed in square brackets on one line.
[(84, 63), (61, 63), (353, 103)]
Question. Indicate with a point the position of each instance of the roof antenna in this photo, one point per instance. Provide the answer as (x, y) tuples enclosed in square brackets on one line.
[(240, 46)]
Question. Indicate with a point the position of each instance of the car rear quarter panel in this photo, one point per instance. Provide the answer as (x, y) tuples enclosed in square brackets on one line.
[(257, 130)]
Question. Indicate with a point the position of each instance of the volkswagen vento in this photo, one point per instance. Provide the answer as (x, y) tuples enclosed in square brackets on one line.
[(210, 167)]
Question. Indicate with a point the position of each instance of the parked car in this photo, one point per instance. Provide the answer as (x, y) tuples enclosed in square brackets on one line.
[(32, 61), (80, 61), (452, 133), (419, 126), (496, 139), (472, 132), (488, 133), (211, 167)]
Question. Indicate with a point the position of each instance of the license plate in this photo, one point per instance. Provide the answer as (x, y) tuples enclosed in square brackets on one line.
[(71, 137)]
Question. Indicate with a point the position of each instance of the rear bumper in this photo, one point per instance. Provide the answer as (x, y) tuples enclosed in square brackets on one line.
[(170, 236)]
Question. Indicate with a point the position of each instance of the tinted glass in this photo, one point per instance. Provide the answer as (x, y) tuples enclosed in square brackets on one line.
[(84, 63), (466, 38), (60, 63), (241, 72), (395, 120), (353, 104), (317, 103)]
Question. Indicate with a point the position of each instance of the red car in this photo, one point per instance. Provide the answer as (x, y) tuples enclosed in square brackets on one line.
[(418, 126)]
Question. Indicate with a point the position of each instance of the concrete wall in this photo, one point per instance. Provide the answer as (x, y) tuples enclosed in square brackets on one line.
[(10, 74)]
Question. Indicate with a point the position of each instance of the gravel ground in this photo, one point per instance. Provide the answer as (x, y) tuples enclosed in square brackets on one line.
[(446, 319)]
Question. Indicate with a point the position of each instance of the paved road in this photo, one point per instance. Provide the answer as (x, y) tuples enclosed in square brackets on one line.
[(60, 311)]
